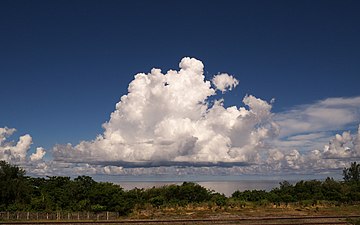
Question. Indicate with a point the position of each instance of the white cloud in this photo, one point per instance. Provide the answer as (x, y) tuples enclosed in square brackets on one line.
[(268, 161), (17, 152), (343, 146), (166, 118), (38, 155), (356, 143), (113, 170), (308, 128), (167, 124), (10, 151), (342, 149), (4, 133), (224, 82), (331, 114)]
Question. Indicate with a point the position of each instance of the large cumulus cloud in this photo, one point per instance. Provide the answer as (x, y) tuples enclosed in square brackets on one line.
[(167, 118)]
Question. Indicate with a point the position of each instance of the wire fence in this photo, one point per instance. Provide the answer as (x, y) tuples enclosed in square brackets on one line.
[(31, 216)]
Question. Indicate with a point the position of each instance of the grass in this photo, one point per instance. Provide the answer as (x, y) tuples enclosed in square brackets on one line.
[(199, 211)]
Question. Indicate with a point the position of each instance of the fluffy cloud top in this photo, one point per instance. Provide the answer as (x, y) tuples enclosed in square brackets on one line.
[(38, 155), (342, 149), (167, 118), (17, 152), (224, 82), (343, 146)]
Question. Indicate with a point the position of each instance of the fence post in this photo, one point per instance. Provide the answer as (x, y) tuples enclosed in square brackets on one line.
[(78, 216), (27, 215), (8, 215), (107, 215)]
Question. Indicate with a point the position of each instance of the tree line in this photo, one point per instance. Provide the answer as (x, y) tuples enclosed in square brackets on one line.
[(19, 192)]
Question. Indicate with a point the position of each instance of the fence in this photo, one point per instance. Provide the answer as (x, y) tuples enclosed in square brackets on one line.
[(58, 216)]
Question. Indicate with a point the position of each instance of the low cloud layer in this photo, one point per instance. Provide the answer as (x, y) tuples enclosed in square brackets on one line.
[(176, 123)]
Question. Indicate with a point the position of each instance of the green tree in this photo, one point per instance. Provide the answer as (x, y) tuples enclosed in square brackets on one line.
[(82, 187), (331, 190), (352, 174), (157, 201), (190, 192), (219, 199), (251, 196), (58, 193), (38, 196), (106, 194), (14, 188), (308, 190)]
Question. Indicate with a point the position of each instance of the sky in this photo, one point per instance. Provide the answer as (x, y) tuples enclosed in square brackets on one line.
[(239, 87)]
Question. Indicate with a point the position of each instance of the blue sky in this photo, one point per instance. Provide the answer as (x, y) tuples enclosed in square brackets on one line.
[(65, 64)]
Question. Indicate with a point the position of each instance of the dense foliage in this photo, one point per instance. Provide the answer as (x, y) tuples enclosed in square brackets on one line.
[(305, 192), (21, 193)]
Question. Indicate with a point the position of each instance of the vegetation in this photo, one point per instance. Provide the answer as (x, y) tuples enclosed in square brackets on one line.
[(21, 193)]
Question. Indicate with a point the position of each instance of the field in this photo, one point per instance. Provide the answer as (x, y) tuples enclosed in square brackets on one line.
[(201, 214)]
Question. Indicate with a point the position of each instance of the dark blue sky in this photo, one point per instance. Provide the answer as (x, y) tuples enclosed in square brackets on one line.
[(65, 64)]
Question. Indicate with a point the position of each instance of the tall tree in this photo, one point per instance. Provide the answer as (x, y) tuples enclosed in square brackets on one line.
[(13, 187), (352, 174)]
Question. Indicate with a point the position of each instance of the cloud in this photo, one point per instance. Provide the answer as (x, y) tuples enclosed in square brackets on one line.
[(4, 133), (307, 142), (167, 119), (307, 128), (17, 152), (175, 123), (331, 114), (224, 82), (341, 150), (343, 146), (10, 151), (270, 161), (38, 155)]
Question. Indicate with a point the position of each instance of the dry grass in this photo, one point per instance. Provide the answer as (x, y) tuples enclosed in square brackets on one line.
[(199, 211)]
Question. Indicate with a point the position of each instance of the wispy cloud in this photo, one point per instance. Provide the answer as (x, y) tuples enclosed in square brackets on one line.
[(331, 114)]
